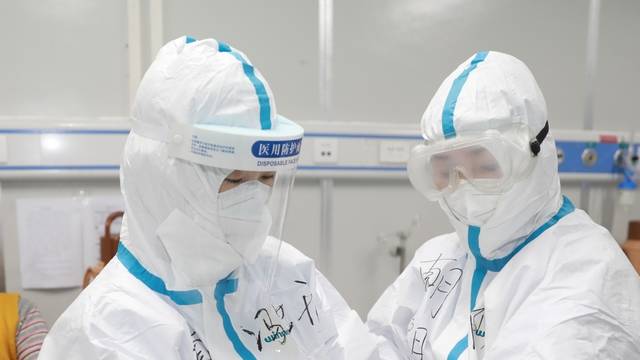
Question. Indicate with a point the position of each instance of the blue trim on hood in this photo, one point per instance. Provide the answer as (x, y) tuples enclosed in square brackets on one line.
[(448, 129), (476, 282), (153, 282), (497, 264), (458, 349), (224, 287), (261, 90), (258, 85), (483, 265)]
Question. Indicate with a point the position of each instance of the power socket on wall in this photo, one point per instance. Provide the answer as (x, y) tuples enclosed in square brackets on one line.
[(325, 150), (395, 152)]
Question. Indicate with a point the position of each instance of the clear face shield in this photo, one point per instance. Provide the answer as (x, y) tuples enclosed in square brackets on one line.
[(251, 206), (491, 162), (253, 198)]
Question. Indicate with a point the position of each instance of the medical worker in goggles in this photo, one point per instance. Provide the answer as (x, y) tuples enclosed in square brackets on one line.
[(205, 177), (525, 275)]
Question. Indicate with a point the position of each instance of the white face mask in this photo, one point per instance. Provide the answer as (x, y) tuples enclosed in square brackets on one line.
[(199, 255), (471, 206), (244, 217)]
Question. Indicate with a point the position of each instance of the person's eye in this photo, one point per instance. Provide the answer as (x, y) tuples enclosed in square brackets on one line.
[(233, 181), (267, 177)]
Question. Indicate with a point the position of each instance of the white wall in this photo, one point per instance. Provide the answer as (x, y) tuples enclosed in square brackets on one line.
[(280, 37), (69, 58), (63, 58), (618, 75), (391, 57)]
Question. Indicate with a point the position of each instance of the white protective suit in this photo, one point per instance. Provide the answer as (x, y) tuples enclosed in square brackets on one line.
[(538, 279), (179, 287)]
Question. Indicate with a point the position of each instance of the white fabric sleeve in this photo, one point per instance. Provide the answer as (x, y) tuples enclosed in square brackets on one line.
[(354, 337), (113, 332), (391, 315)]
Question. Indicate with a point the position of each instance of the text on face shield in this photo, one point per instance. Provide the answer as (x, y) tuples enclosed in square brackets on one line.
[(276, 149)]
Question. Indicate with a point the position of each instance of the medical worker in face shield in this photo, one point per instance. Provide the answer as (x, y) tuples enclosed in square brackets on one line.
[(525, 275), (205, 177)]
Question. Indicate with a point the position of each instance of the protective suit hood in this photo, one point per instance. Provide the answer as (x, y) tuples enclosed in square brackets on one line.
[(492, 90), (171, 205)]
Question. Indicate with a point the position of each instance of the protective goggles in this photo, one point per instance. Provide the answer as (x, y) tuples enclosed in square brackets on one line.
[(491, 161)]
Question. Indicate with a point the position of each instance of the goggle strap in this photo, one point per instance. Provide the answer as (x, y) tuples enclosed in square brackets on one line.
[(535, 143)]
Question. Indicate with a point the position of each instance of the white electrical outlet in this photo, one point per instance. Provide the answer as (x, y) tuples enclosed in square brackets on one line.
[(395, 152), (325, 150)]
